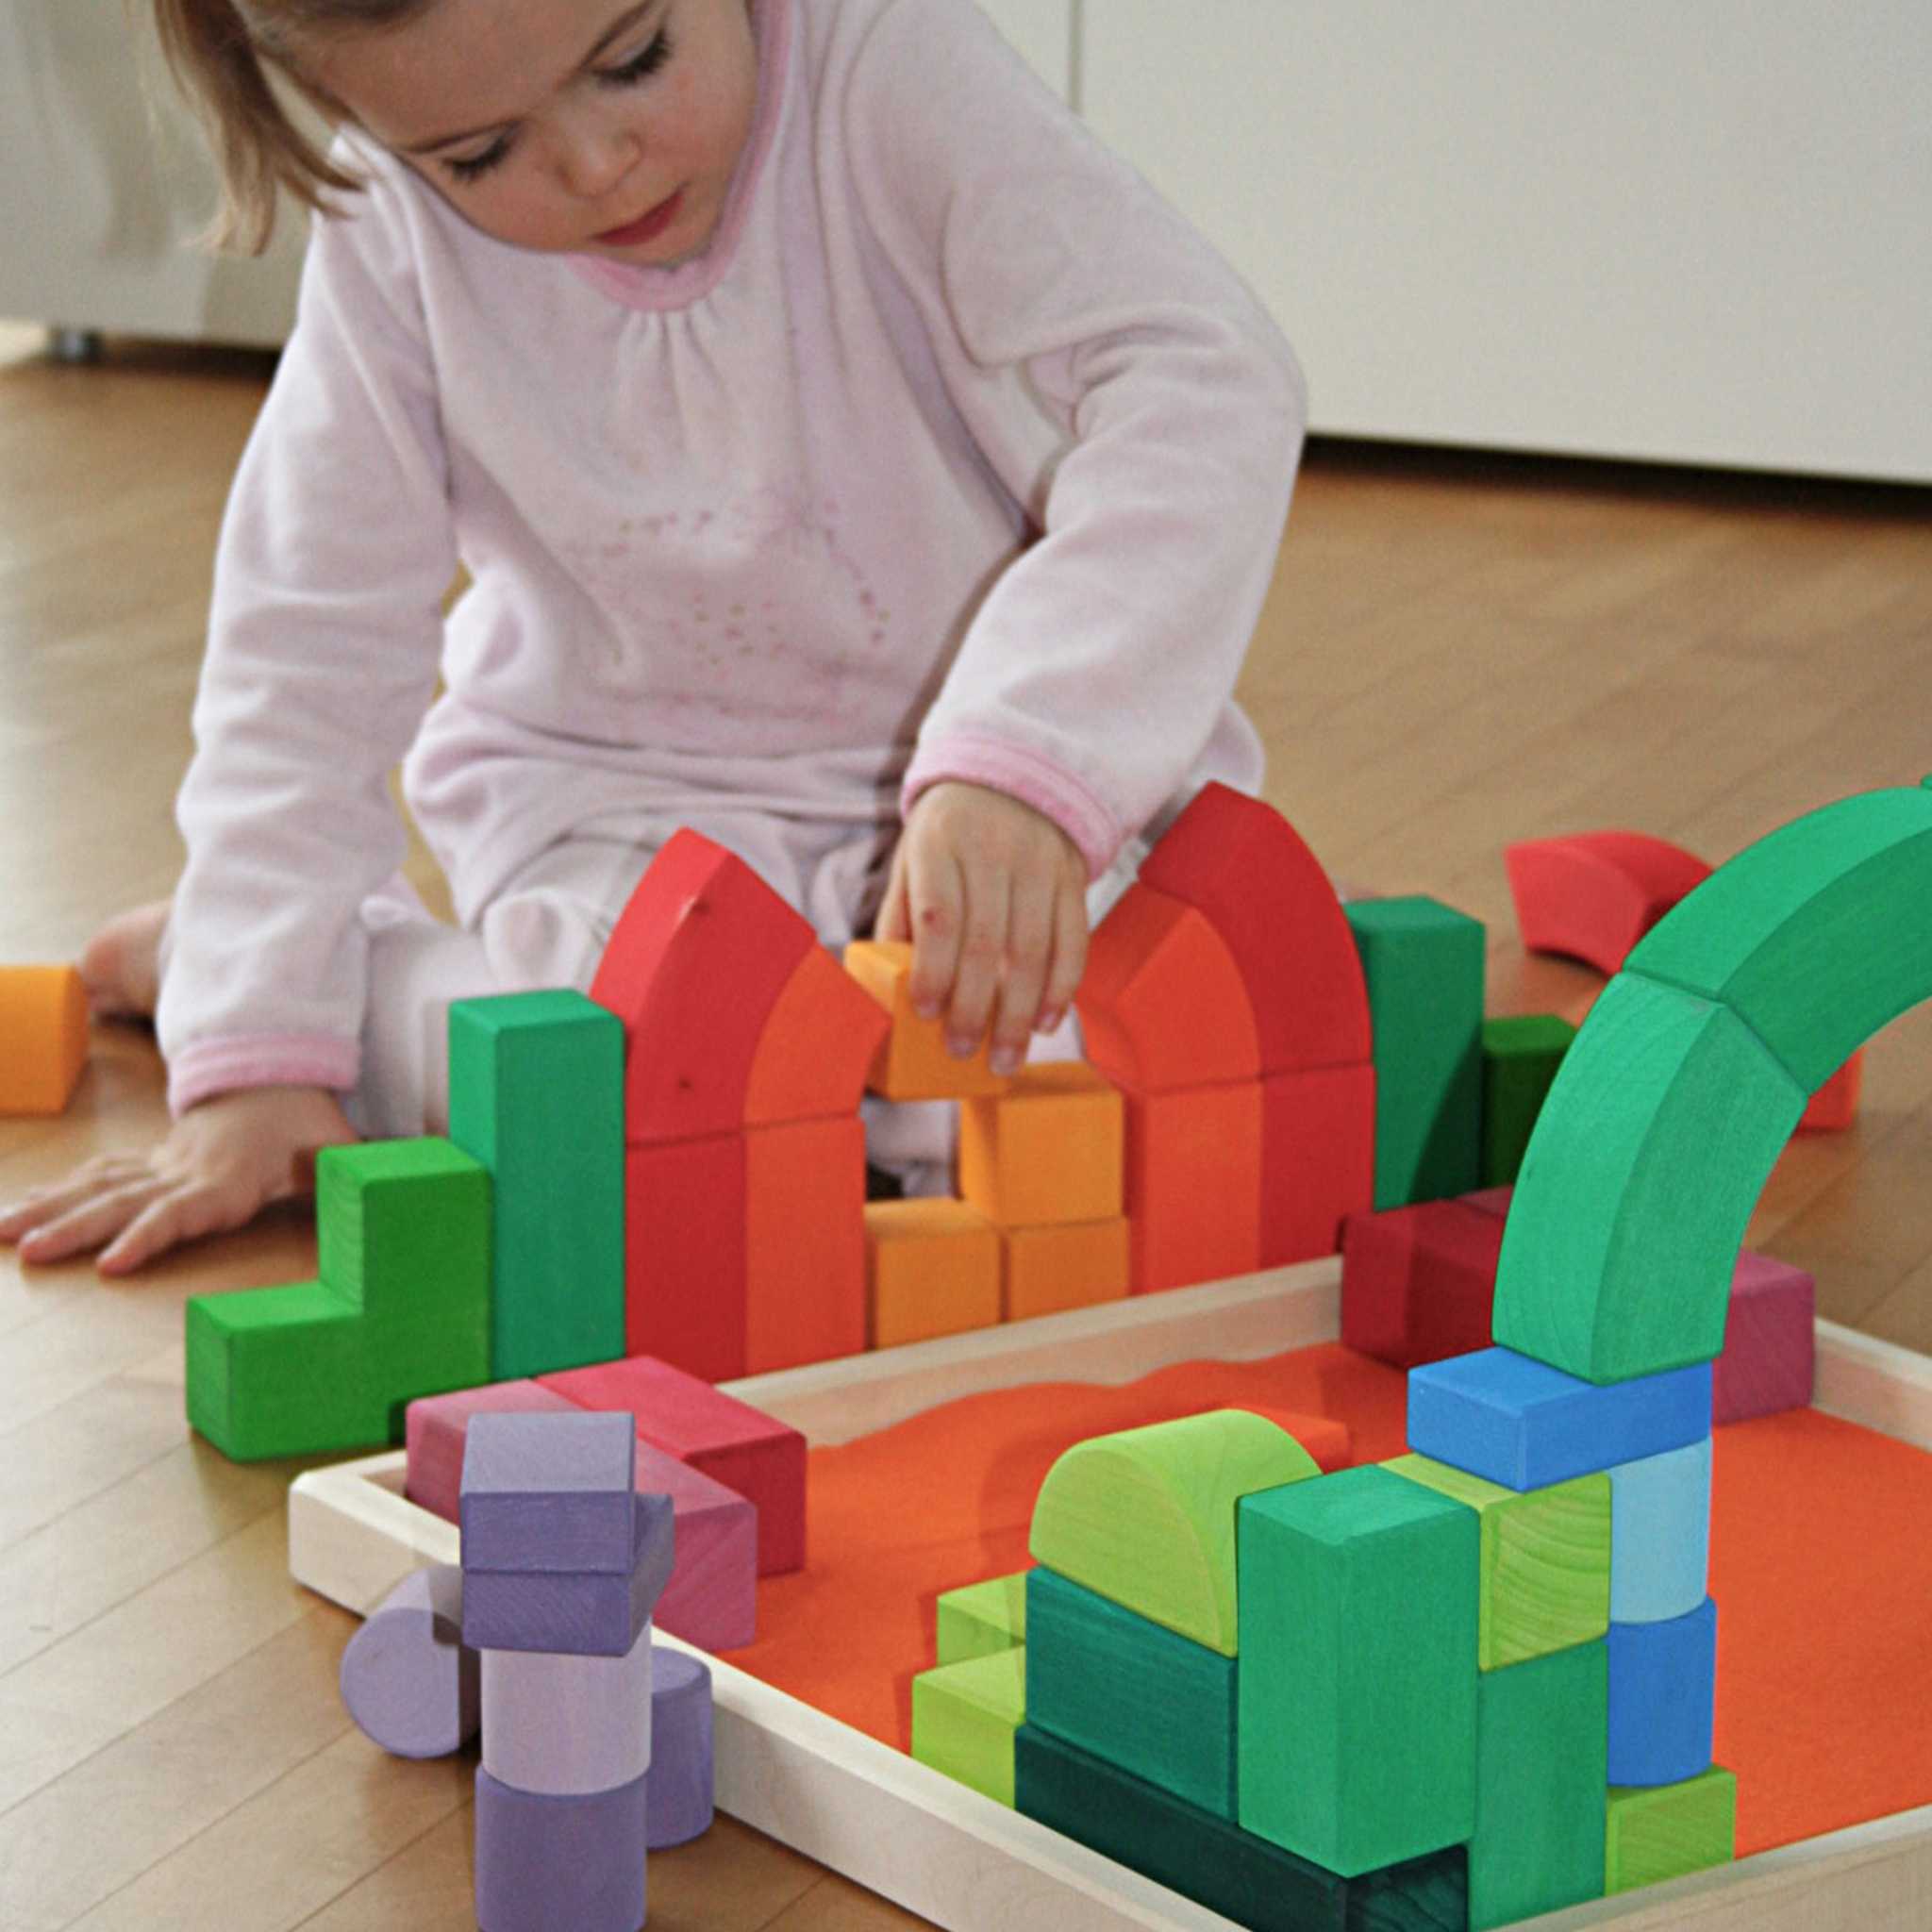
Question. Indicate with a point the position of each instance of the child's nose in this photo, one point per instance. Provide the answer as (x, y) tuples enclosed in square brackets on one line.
[(596, 155)]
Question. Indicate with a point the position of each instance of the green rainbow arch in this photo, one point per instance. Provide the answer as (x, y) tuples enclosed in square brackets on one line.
[(1690, 1074)]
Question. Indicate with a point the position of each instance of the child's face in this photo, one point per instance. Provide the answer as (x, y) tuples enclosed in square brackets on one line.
[(603, 127)]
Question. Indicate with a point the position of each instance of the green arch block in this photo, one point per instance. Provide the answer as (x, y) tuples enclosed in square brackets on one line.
[(1663, 1122), (1146, 1517), (1817, 935)]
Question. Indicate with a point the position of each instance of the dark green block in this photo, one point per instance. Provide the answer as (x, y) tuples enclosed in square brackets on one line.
[(536, 1095), (1541, 1756), (280, 1371), (1357, 1693), (1153, 1703), (1520, 1056), (1218, 1865), (1423, 965)]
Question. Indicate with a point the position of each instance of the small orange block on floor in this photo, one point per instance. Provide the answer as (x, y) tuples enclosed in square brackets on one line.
[(804, 1243), (43, 1037), (1048, 1270), (1047, 1150), (1193, 1184), (913, 1063), (932, 1268)]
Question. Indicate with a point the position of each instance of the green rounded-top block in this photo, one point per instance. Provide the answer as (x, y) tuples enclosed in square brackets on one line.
[(1146, 1517), (1817, 935), (1661, 1126)]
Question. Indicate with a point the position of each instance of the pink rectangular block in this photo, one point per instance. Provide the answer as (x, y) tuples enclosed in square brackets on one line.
[(716, 1434), (435, 1428), (1770, 1342)]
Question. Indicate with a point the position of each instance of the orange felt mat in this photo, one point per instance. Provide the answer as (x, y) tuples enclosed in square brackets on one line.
[(1821, 1564)]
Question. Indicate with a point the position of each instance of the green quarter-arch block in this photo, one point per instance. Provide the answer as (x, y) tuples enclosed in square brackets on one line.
[(1543, 1559), (1146, 1516), (1817, 935), (964, 1715), (1662, 1123)]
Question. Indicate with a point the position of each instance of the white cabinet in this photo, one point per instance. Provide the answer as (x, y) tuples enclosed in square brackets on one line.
[(1623, 227)]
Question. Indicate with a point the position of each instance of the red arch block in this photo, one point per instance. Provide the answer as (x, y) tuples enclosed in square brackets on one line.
[(1592, 895), (1246, 870), (817, 1045)]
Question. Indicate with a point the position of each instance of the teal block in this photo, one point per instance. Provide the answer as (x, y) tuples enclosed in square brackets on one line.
[(1158, 1705), (1520, 1056), (1660, 1535), (1540, 1753), (1214, 1863), (1423, 962), (1357, 1687), (536, 1096)]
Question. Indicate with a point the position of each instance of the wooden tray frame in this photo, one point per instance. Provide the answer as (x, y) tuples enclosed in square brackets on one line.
[(944, 1851)]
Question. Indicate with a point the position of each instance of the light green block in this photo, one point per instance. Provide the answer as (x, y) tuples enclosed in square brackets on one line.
[(1147, 1516), (1357, 1682), (1544, 1559), (964, 1715), (1665, 1119), (1655, 1832), (1423, 962), (981, 1619)]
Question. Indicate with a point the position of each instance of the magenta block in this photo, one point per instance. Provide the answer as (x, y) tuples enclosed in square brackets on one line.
[(547, 1863), (679, 1783), (434, 1432), (1766, 1363), (406, 1679)]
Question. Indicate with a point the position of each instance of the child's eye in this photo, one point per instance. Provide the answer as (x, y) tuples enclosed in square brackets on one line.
[(473, 167), (640, 66)]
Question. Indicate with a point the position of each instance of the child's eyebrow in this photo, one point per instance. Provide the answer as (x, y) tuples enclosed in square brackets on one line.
[(616, 30)]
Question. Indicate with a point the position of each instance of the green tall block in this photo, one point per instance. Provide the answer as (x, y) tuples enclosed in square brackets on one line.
[(1544, 1564), (1357, 1693), (1654, 1832), (981, 1619), (1520, 1056), (1540, 1749), (1423, 965), (964, 1715), (536, 1095), (1159, 1705), (1230, 1871)]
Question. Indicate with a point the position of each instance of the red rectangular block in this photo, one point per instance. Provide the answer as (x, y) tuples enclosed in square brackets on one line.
[(1318, 1159), (804, 1243), (684, 1254), (1418, 1283), (725, 1439), (1770, 1342), (1193, 1184)]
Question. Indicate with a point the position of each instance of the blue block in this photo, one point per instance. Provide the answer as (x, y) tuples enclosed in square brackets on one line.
[(544, 1492), (1660, 1535), (1663, 1698), (1524, 1424)]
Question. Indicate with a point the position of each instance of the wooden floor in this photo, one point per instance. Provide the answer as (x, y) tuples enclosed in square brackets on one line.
[(1459, 652)]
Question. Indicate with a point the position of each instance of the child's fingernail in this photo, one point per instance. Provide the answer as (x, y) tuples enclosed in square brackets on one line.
[(926, 1006), (1005, 1059), (960, 1047), (1050, 1021)]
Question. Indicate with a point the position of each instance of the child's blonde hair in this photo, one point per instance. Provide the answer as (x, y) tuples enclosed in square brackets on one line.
[(221, 53)]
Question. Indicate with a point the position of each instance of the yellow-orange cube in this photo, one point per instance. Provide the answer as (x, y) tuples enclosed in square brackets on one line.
[(932, 1268), (913, 1063), (43, 1037), (1048, 1150), (1046, 1270)]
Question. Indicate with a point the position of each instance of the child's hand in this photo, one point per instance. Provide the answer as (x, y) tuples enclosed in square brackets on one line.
[(992, 895), (219, 1164)]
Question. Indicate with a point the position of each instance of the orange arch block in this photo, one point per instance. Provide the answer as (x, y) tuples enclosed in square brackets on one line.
[(1592, 895), (1163, 1005), (817, 1042), (43, 1037)]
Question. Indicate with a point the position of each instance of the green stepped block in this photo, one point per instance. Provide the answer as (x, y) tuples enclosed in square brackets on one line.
[(1545, 1564), (1423, 965), (981, 1619), (536, 1095), (1357, 1692), (1520, 1056), (1157, 1704), (400, 1308), (1665, 1119), (1655, 1832), (1542, 1746), (1220, 1866), (964, 1715)]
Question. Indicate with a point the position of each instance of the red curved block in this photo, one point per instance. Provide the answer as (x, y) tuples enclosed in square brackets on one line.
[(817, 1045), (1835, 1105), (1241, 864), (1592, 895), (1163, 1005), (695, 965)]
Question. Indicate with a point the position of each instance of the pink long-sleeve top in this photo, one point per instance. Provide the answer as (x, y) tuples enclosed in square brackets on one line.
[(958, 454)]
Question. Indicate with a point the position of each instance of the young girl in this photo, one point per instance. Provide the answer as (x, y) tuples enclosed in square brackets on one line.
[(849, 457)]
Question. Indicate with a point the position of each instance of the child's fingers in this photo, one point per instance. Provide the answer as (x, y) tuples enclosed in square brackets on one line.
[(1069, 965), (90, 1222), (935, 910), (1029, 946), (982, 956), (184, 1214)]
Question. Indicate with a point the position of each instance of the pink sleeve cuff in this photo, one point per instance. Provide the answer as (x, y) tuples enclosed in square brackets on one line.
[(264, 1060), (1049, 789)]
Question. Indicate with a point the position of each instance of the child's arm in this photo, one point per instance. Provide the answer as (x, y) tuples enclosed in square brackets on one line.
[(992, 895), (217, 1167)]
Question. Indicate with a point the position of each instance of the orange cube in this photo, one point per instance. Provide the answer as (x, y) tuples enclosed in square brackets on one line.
[(43, 1037), (1193, 1184), (1048, 1150), (1045, 1269), (804, 1243), (913, 1063), (932, 1268)]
